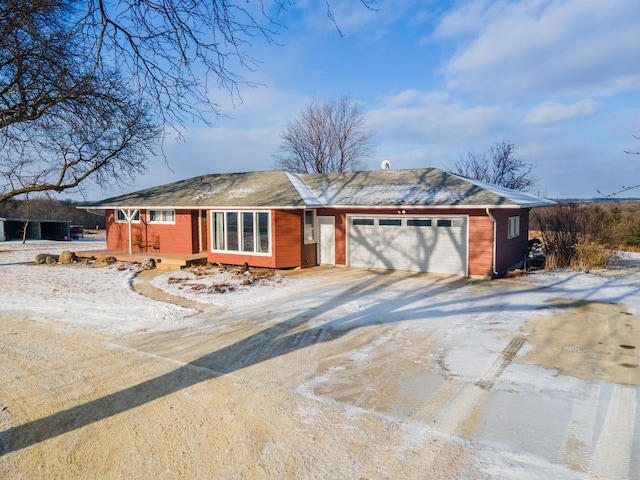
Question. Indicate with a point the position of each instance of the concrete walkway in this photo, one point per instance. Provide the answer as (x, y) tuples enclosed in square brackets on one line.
[(142, 283)]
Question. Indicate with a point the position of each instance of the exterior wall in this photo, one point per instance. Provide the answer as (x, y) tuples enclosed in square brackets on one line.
[(480, 248), (510, 252), (287, 248), (480, 244), (174, 238), (287, 237), (341, 232), (310, 254)]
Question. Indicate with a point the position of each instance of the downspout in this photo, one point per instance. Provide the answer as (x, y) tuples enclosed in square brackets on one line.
[(495, 230)]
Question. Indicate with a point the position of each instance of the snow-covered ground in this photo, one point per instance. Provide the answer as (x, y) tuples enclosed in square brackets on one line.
[(472, 344)]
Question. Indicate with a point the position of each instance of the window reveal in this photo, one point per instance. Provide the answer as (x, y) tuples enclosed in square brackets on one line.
[(241, 232)]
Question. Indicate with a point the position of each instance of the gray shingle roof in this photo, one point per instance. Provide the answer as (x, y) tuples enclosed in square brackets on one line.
[(414, 187), (251, 189), (428, 187)]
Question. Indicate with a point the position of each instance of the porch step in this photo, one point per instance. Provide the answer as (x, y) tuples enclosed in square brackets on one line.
[(168, 266), (176, 262), (163, 262)]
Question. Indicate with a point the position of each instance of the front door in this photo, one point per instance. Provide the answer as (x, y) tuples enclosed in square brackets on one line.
[(327, 247)]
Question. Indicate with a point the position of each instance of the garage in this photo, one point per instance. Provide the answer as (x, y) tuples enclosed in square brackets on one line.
[(420, 244)]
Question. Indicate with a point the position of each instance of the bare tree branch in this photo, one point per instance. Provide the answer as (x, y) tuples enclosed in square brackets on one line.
[(86, 86), (500, 167), (622, 188), (328, 137)]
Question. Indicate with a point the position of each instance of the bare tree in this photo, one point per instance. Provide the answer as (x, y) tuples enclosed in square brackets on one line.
[(87, 86), (500, 166), (328, 137)]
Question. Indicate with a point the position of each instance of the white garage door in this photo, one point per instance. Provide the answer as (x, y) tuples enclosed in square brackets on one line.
[(419, 244)]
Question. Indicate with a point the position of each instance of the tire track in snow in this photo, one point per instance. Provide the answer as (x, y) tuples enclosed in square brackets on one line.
[(462, 416), (457, 411), (575, 451), (612, 455)]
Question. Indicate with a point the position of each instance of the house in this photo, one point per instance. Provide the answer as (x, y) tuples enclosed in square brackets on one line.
[(423, 220), (2, 235)]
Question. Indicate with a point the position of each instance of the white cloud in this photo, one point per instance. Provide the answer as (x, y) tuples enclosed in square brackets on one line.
[(535, 46), (432, 117), (552, 112)]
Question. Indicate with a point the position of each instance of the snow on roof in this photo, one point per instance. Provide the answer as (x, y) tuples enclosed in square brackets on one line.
[(424, 187), (407, 194), (521, 198), (307, 196)]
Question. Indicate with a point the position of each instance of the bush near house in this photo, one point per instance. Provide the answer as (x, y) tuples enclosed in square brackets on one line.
[(586, 235)]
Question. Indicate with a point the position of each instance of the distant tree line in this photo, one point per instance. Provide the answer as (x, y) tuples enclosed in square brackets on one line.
[(50, 209)]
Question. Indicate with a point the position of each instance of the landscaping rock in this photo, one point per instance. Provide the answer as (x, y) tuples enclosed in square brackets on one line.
[(51, 259), (104, 262), (41, 258), (67, 257), (148, 264)]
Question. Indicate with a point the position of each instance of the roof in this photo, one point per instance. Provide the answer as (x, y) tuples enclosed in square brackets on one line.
[(412, 188), (250, 189), (423, 187)]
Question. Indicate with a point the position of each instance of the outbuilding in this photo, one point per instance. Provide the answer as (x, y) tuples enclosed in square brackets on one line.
[(423, 220)]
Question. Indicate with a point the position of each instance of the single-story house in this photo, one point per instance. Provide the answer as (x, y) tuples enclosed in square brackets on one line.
[(423, 220)]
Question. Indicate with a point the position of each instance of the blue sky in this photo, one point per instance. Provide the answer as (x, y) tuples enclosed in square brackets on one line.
[(559, 79)]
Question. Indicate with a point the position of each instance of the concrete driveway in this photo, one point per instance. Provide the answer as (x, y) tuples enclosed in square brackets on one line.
[(543, 370)]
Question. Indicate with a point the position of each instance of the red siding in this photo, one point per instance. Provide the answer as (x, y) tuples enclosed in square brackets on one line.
[(286, 245), (341, 233), (480, 249), (510, 251), (289, 250), (480, 244), (287, 237), (173, 238)]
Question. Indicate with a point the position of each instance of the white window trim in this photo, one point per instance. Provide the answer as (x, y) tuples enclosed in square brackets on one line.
[(166, 222), (256, 233), (128, 213), (314, 237), (513, 227), (404, 217)]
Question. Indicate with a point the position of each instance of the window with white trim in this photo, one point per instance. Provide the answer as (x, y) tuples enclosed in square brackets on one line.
[(362, 221), (161, 216), (450, 222), (121, 216), (242, 231), (309, 226), (390, 222), (514, 227), (418, 222)]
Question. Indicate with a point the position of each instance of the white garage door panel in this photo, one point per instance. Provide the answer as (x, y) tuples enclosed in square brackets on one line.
[(436, 249)]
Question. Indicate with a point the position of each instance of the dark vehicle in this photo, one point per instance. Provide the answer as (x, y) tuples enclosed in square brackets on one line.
[(76, 232)]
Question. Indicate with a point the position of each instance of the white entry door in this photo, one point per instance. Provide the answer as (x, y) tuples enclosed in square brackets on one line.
[(327, 247)]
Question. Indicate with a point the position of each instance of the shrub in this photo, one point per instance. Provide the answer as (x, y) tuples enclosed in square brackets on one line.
[(582, 235)]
